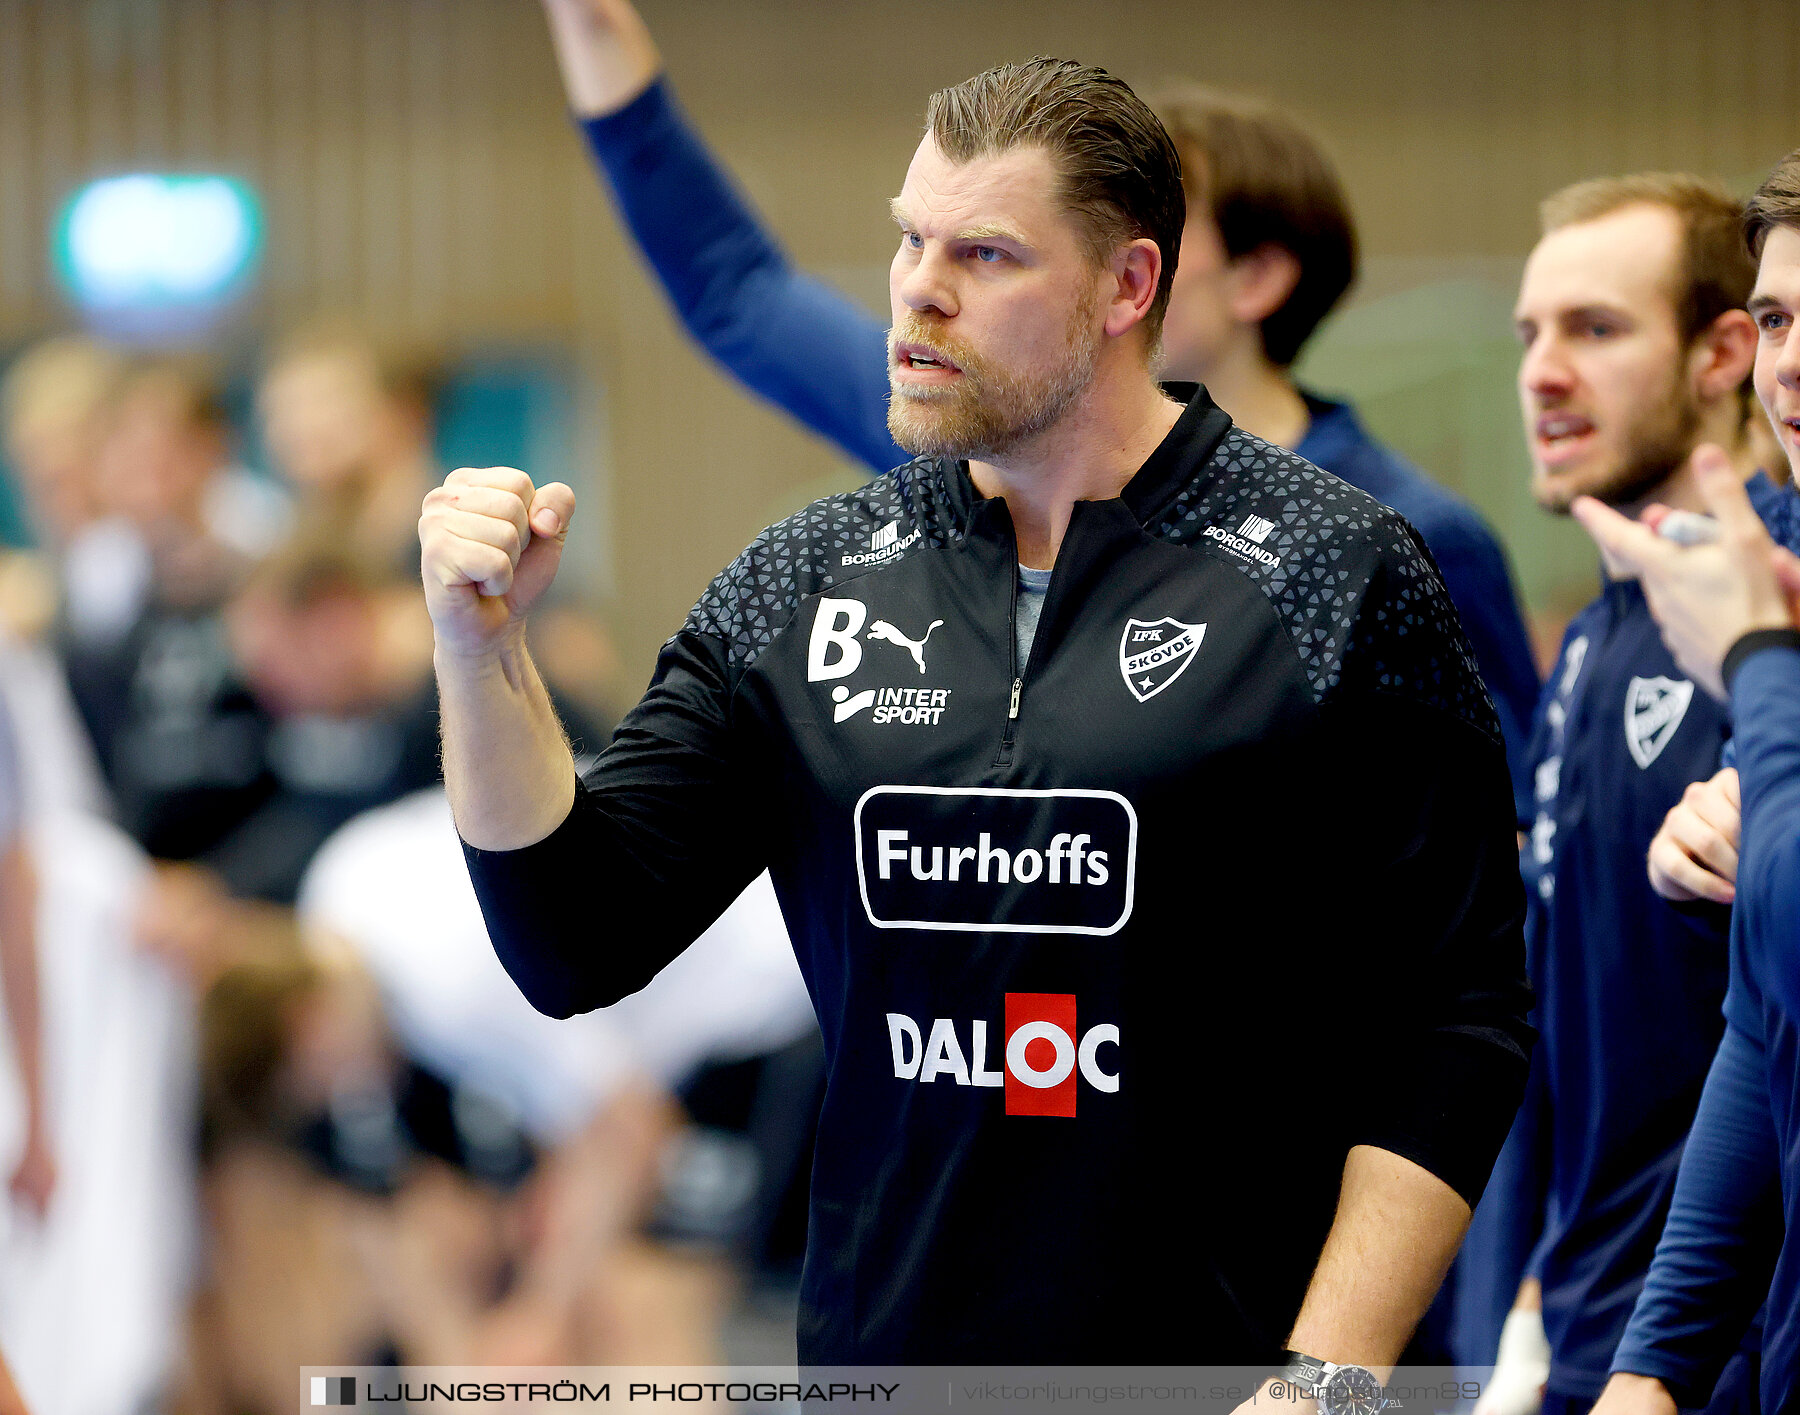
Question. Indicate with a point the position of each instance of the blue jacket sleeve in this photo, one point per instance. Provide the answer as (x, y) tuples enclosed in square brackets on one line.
[(1718, 1247), (1765, 713), (788, 337)]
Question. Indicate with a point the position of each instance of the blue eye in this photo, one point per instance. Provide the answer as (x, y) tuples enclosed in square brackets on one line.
[(989, 254), (1772, 320), (912, 240)]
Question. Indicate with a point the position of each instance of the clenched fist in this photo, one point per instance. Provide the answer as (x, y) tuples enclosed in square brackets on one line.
[(489, 543)]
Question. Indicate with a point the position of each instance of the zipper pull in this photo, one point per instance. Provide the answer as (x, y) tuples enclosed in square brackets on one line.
[(1012, 710)]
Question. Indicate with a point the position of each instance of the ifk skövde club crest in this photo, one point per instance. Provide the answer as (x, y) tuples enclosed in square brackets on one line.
[(1154, 653)]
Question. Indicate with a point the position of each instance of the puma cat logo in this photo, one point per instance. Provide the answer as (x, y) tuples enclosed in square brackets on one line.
[(881, 629)]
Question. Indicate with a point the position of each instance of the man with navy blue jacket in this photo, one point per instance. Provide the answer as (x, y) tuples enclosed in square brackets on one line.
[(1729, 613), (1636, 348), (1268, 252)]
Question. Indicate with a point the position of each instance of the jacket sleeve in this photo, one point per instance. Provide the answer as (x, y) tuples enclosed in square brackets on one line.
[(1480, 585), (1763, 676), (1437, 904), (1718, 1246), (657, 845), (785, 335)]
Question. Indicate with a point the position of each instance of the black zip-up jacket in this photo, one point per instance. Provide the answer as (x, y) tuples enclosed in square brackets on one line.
[(1118, 951)]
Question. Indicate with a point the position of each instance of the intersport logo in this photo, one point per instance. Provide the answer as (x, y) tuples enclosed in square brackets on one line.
[(1040, 1049), (835, 650), (996, 859)]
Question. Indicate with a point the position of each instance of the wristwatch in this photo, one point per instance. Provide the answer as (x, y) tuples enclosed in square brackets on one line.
[(1340, 1390)]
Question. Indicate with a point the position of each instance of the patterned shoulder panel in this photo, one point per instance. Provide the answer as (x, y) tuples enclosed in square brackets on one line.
[(1359, 594), (835, 539)]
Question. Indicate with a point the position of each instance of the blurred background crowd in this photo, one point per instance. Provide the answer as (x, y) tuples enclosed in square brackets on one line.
[(267, 1098)]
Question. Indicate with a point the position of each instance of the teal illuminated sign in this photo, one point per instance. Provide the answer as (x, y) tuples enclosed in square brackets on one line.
[(150, 242)]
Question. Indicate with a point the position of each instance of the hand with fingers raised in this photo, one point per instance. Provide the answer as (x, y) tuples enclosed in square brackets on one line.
[(605, 52), (1705, 597)]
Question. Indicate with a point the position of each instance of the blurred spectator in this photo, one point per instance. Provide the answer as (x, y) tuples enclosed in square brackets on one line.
[(166, 466), (58, 767), (364, 1206), (55, 399), (393, 887), (33, 1174), (349, 710), (177, 733), (174, 733), (56, 405), (405, 1161), (92, 1296), (353, 435), (335, 650), (393, 884), (352, 431)]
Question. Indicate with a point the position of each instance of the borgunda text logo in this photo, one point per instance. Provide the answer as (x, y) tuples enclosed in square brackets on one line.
[(884, 545)]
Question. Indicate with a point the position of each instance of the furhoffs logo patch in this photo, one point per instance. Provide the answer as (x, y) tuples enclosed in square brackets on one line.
[(1154, 653)]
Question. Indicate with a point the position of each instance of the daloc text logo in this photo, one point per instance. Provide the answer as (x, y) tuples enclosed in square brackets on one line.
[(1041, 1049)]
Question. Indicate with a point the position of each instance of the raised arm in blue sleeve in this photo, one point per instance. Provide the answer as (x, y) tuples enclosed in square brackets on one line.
[(1717, 1251), (806, 348)]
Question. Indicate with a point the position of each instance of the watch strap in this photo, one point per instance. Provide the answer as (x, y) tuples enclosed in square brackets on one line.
[(1304, 1370)]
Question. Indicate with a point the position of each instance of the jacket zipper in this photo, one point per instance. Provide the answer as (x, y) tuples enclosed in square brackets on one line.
[(1004, 756)]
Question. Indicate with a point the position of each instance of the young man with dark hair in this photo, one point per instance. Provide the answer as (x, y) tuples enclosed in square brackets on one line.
[(1269, 250), (1635, 351), (1000, 833), (1728, 612), (1271, 194)]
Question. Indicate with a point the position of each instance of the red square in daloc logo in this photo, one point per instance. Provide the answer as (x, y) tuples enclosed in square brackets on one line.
[(1040, 1053)]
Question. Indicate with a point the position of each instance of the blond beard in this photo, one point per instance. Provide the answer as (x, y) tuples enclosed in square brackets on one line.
[(989, 410), (1656, 447)]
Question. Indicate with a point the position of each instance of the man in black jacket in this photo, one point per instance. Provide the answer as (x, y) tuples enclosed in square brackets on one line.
[(1138, 815)]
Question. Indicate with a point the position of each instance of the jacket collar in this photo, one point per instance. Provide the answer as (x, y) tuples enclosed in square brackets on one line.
[(1178, 462)]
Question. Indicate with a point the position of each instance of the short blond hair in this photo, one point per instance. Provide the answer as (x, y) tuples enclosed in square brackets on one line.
[(1714, 275), (63, 380)]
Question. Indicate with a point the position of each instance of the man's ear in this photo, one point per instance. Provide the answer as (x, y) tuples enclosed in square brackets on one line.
[(1136, 270), (1721, 357), (1260, 282)]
